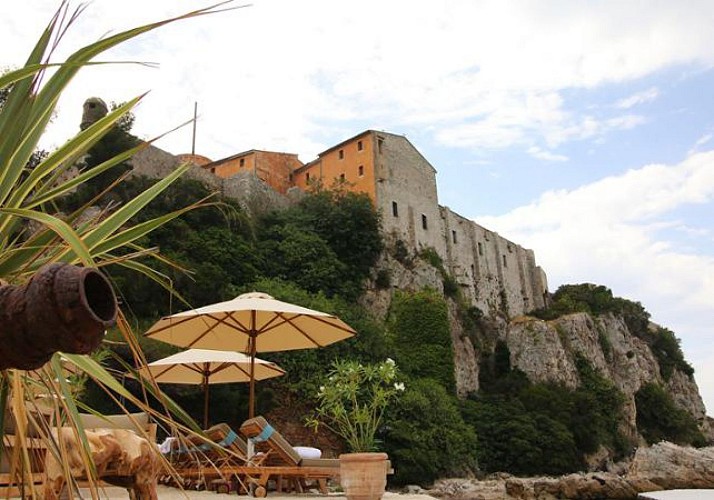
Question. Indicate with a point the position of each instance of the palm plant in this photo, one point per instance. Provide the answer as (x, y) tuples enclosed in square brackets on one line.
[(33, 233)]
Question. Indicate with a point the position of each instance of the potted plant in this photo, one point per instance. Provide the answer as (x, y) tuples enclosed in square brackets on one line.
[(351, 404)]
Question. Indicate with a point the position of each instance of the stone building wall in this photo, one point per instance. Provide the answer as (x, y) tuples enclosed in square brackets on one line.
[(496, 274), (406, 194)]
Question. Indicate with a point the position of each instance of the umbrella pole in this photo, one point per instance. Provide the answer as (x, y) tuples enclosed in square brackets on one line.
[(251, 399), (205, 399)]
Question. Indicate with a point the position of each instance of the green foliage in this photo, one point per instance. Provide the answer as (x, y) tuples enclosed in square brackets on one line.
[(451, 286), (31, 194), (353, 400), (384, 279), (306, 369), (668, 351), (213, 243), (596, 300), (401, 253), (605, 344), (598, 410), (421, 338), (496, 375), (526, 428), (328, 242), (426, 437), (660, 419), (430, 255), (518, 440)]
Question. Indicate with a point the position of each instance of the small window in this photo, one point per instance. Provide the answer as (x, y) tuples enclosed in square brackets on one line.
[(473, 271), (341, 154), (395, 209), (342, 177), (360, 169), (213, 170), (480, 249), (505, 264), (424, 224), (307, 177), (359, 146), (380, 142), (242, 162), (453, 235)]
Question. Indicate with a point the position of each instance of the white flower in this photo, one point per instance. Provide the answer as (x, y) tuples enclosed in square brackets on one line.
[(399, 386), (390, 361), (321, 391)]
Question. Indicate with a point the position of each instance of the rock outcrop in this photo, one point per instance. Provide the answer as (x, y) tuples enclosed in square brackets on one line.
[(546, 351), (664, 466)]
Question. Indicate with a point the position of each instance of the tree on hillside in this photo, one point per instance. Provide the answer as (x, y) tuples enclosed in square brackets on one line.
[(328, 242)]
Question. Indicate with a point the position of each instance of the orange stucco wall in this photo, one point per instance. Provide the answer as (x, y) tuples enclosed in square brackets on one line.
[(274, 169), (343, 160)]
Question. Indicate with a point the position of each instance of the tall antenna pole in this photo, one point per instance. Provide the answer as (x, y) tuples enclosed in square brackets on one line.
[(195, 118)]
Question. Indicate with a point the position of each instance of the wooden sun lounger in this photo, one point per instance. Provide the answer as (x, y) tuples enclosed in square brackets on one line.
[(206, 467)]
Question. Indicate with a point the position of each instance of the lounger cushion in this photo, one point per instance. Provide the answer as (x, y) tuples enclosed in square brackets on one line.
[(308, 452)]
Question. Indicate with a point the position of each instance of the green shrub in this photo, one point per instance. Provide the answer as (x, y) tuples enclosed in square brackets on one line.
[(401, 253), (384, 279), (451, 287), (660, 419), (666, 348), (421, 338), (605, 344), (430, 255), (514, 439), (426, 437)]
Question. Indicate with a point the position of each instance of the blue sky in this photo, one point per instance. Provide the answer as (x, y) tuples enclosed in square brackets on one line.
[(581, 129)]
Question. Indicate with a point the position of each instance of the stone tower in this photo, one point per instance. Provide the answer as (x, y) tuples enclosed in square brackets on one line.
[(94, 109)]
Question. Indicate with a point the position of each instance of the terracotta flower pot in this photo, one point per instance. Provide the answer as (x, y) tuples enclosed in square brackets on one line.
[(363, 476)]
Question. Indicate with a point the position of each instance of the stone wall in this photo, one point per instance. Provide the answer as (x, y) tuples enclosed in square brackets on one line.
[(495, 274), (406, 179), (253, 195)]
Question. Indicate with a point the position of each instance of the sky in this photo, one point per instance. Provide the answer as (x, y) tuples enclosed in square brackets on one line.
[(583, 130)]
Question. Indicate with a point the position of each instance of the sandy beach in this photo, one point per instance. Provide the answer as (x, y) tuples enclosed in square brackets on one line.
[(166, 493), (679, 495)]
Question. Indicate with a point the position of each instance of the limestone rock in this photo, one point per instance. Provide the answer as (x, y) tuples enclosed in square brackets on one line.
[(674, 467)]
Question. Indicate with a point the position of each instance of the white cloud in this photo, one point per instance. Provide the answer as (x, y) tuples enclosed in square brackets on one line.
[(702, 141), (643, 97), (608, 232), (540, 154), (486, 74)]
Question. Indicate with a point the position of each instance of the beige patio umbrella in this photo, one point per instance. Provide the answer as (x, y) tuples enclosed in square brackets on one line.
[(205, 367), (251, 323)]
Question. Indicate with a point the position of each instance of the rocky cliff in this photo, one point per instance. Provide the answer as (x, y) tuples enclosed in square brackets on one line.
[(546, 351)]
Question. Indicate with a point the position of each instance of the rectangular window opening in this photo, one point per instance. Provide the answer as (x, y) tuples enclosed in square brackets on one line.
[(480, 249), (341, 154), (307, 177), (359, 146), (361, 170), (505, 264), (242, 162), (395, 209), (453, 235), (424, 224), (342, 177)]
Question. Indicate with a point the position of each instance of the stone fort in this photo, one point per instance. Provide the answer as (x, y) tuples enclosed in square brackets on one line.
[(494, 274)]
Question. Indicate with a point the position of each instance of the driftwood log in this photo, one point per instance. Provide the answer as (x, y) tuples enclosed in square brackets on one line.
[(61, 308), (120, 457)]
